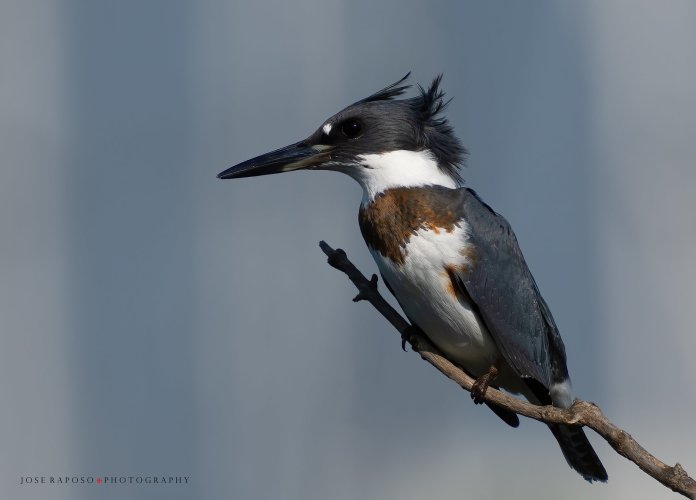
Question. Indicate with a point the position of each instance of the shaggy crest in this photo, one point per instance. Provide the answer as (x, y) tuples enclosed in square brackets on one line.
[(389, 92), (438, 134), (435, 132)]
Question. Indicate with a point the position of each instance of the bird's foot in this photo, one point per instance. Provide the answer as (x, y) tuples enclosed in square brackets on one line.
[(410, 335), (478, 390)]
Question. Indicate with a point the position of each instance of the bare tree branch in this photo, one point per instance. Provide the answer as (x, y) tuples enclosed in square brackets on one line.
[(580, 413)]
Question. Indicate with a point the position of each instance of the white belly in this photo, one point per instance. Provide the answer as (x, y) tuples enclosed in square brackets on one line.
[(423, 288)]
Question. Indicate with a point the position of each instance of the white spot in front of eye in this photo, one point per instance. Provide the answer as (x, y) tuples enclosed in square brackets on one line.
[(327, 129)]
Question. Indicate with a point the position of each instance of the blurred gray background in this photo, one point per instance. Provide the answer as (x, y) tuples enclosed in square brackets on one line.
[(157, 321)]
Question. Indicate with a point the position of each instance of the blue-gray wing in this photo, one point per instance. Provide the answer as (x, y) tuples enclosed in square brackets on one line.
[(500, 285)]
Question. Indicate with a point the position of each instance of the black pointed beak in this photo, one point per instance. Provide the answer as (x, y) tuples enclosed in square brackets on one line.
[(293, 157)]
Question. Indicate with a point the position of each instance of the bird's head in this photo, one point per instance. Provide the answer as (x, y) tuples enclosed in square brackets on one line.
[(380, 141)]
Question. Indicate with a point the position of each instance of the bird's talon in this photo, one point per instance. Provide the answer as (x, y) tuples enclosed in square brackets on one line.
[(411, 337), (478, 391)]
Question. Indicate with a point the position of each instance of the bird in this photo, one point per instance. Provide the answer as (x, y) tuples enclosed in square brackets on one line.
[(452, 262)]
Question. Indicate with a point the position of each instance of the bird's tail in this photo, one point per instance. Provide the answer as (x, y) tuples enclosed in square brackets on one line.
[(574, 444), (578, 452)]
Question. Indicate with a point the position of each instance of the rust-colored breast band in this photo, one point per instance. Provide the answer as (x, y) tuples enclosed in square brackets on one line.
[(395, 215)]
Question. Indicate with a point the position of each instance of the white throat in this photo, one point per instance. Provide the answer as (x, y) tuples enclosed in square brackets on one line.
[(401, 168)]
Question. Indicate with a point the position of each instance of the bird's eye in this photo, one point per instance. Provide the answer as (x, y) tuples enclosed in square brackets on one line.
[(351, 128)]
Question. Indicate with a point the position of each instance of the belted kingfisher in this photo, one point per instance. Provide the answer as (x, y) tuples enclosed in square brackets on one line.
[(450, 260)]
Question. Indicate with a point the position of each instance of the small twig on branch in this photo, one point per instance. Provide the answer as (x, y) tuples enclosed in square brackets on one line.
[(580, 413)]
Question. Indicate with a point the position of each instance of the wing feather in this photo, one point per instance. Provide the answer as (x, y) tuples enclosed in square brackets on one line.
[(503, 290)]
